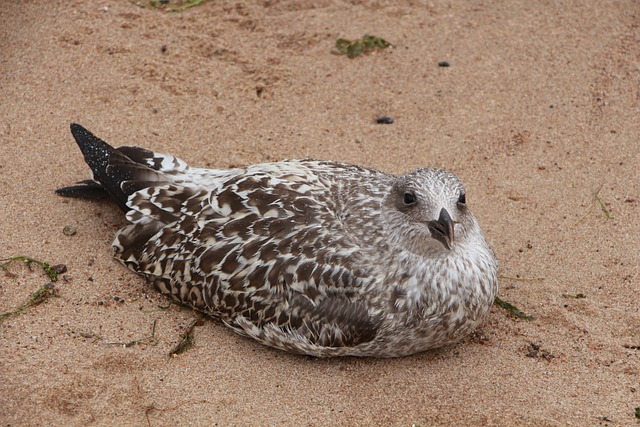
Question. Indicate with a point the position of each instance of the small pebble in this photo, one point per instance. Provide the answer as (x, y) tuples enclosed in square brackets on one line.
[(59, 269), (384, 120), (69, 230), (443, 64)]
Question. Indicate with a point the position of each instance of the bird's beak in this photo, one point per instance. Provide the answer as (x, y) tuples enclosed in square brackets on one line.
[(442, 228)]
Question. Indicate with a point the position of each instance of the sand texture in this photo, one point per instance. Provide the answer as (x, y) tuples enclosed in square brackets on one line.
[(538, 113)]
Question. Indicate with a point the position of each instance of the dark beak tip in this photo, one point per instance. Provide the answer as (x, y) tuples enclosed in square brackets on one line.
[(444, 216), (442, 229)]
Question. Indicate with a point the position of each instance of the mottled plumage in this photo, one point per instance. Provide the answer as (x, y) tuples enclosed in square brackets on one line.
[(312, 257)]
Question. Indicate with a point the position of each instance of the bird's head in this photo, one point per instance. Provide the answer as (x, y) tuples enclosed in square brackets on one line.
[(426, 212)]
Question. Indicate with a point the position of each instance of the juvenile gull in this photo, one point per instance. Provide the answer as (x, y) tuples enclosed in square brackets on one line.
[(312, 257)]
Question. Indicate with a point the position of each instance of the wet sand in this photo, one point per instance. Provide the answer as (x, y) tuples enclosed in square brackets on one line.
[(538, 113)]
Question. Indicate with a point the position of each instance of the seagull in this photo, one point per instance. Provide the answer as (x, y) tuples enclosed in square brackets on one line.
[(319, 258)]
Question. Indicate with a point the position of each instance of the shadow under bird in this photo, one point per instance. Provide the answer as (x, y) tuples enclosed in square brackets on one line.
[(312, 257)]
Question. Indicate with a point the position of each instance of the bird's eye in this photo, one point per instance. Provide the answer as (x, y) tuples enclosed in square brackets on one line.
[(462, 199), (409, 198)]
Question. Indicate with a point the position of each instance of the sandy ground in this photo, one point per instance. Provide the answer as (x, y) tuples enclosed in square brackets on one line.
[(538, 112)]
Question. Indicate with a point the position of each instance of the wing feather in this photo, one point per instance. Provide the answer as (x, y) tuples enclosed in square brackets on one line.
[(254, 248)]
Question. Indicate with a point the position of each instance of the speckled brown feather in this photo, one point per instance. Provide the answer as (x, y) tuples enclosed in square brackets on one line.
[(273, 230)]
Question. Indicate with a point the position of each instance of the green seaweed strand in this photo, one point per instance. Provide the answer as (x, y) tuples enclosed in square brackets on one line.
[(512, 309), (48, 269)]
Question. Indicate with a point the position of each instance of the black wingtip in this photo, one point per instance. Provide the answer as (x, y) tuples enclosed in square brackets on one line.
[(96, 151), (117, 172), (77, 128), (98, 155), (88, 189), (83, 136)]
